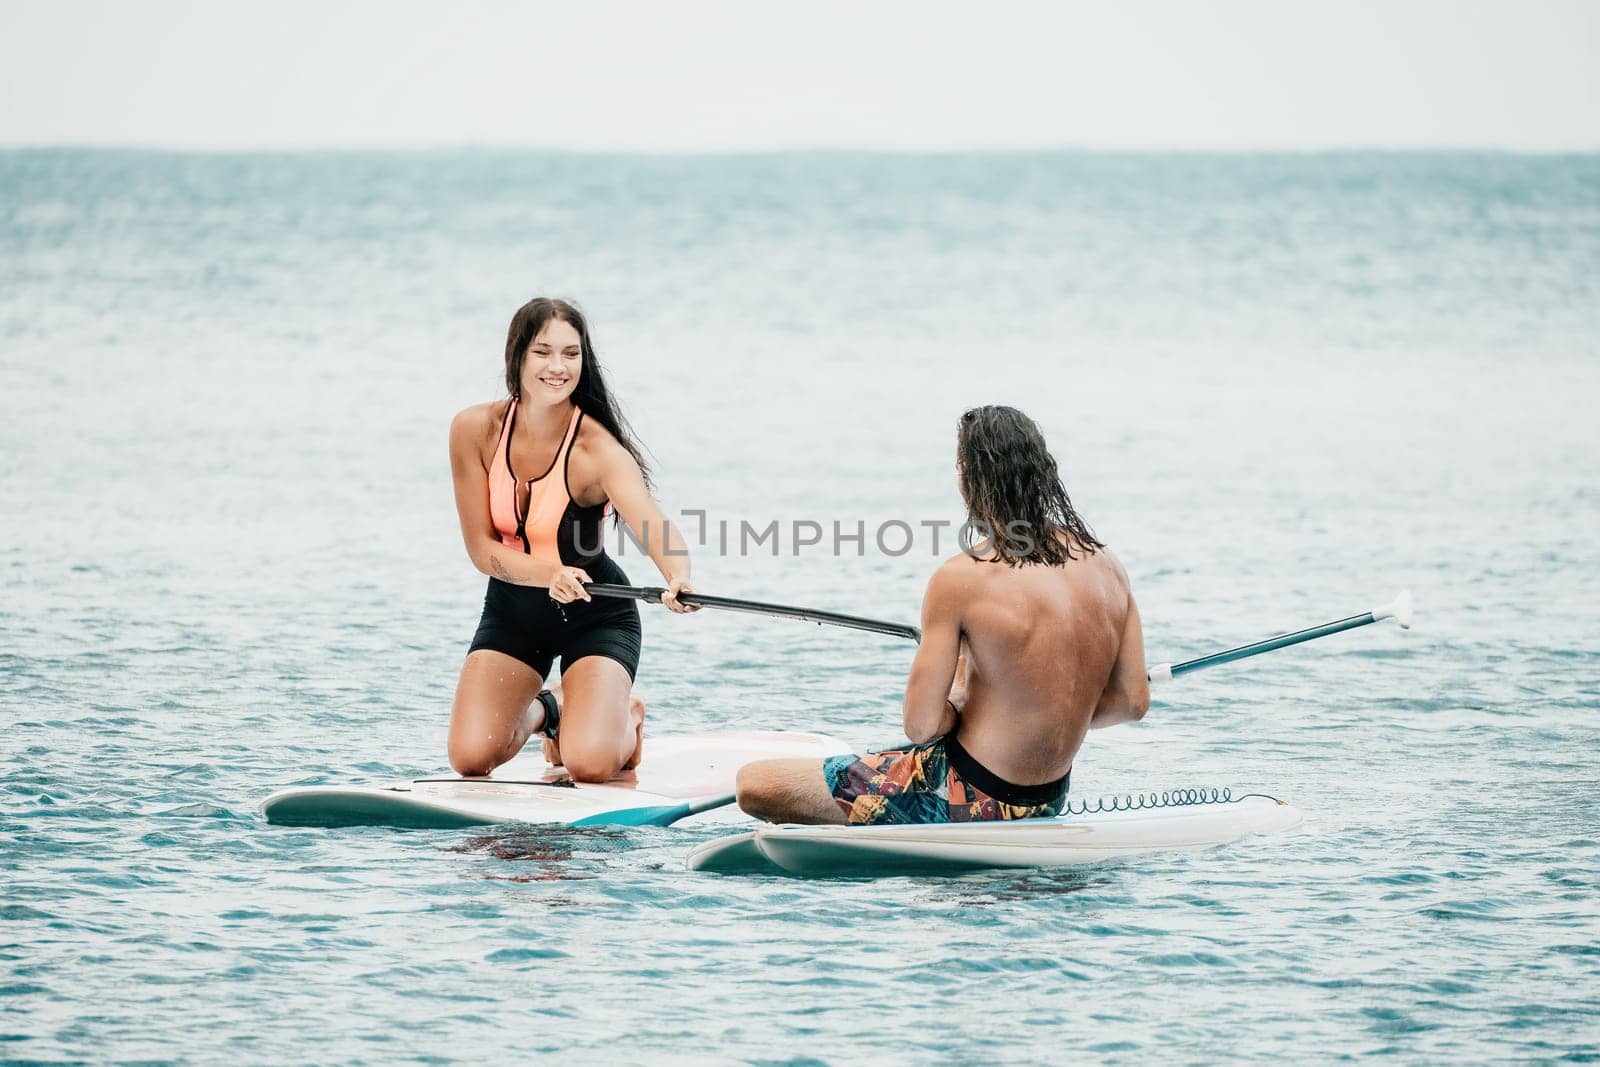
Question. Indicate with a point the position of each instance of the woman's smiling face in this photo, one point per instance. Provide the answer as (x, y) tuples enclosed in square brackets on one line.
[(552, 364)]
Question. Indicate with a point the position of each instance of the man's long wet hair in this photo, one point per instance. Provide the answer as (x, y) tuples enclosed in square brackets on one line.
[(591, 394), (1013, 491)]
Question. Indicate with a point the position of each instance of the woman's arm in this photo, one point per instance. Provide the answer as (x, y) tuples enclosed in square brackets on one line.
[(624, 486), (467, 433)]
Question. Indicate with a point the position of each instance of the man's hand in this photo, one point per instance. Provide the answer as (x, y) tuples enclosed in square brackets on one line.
[(958, 687)]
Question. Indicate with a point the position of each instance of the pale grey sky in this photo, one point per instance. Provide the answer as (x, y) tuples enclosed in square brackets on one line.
[(700, 75)]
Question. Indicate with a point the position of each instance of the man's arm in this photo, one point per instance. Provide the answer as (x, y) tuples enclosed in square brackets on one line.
[(927, 709), (1127, 695)]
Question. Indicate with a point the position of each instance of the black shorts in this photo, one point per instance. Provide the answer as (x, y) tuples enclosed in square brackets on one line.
[(524, 623)]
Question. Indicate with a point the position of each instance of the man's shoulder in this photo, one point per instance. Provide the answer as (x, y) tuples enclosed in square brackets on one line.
[(957, 576), (960, 564), (1110, 561)]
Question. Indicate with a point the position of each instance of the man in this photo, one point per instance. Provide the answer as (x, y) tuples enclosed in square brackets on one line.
[(1028, 640)]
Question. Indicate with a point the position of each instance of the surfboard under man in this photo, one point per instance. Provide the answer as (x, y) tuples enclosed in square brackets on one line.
[(1029, 639)]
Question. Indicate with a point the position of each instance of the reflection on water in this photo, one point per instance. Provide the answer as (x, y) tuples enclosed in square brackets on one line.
[(993, 888), (561, 852)]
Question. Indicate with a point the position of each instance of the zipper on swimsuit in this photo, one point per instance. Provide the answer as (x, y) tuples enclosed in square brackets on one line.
[(521, 510)]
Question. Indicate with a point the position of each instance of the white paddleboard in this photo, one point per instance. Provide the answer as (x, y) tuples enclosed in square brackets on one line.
[(1064, 841), (680, 776)]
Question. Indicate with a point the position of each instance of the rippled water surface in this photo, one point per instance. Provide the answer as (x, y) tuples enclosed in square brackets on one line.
[(1281, 387)]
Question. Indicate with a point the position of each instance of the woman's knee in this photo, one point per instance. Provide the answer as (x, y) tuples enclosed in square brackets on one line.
[(475, 747), (588, 762), (472, 759)]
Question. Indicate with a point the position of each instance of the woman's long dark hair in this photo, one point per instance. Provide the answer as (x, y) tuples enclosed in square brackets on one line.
[(1013, 491), (591, 394)]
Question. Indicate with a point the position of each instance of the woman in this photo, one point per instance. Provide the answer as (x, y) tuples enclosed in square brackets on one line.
[(540, 540)]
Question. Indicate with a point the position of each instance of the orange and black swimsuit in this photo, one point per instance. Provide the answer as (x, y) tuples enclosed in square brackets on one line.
[(522, 621)]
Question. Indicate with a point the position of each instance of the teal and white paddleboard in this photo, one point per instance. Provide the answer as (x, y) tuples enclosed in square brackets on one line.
[(1186, 820), (680, 776)]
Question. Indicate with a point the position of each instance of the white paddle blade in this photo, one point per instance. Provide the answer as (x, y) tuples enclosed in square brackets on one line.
[(1398, 609)]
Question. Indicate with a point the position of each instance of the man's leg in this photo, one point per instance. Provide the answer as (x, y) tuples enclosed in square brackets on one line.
[(787, 790)]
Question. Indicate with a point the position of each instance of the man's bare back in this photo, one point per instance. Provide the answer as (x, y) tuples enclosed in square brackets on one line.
[(1020, 655), (1044, 648)]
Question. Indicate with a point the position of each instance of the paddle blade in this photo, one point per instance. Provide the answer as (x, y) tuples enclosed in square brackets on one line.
[(1398, 609)]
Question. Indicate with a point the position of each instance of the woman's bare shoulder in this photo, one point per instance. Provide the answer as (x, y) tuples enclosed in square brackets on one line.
[(475, 430), (592, 432), (595, 441), (479, 420)]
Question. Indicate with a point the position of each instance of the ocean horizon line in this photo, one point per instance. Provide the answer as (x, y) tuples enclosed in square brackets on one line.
[(887, 152)]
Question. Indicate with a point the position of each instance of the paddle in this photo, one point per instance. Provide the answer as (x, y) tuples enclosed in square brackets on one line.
[(1398, 609), (652, 594)]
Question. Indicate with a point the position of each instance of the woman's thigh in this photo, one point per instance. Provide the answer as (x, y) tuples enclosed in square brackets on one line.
[(488, 720), (597, 732)]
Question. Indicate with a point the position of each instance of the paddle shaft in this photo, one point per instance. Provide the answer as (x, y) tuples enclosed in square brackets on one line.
[(1400, 609), (652, 594), (1168, 671)]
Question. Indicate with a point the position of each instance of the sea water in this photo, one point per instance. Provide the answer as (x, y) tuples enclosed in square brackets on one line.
[(1281, 387)]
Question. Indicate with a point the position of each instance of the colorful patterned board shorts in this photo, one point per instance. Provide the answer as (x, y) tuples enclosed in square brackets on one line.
[(935, 782)]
